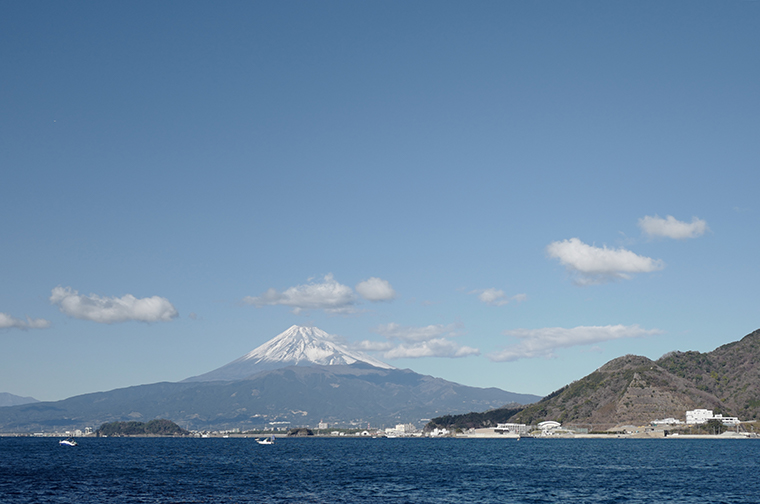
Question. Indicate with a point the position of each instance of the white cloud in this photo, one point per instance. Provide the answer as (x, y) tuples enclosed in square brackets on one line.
[(671, 227), (376, 289), (437, 347), (412, 334), (374, 346), (543, 342), (329, 295), (110, 310), (497, 297), (594, 265), (8, 322), (415, 342)]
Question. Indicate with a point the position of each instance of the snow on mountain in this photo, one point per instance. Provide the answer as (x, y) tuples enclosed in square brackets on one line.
[(308, 345), (298, 346)]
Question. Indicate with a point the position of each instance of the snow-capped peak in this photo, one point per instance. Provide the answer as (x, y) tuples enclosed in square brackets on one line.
[(298, 346), (308, 345)]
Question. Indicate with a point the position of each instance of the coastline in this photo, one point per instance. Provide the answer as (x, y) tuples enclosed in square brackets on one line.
[(643, 435), (730, 436)]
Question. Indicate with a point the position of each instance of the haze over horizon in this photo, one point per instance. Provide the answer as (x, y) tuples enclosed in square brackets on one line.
[(500, 194)]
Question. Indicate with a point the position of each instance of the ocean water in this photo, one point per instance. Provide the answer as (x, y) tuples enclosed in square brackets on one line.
[(341, 470)]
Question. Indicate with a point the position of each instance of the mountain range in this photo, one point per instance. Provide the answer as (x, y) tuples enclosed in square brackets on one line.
[(300, 377), (7, 399), (304, 376)]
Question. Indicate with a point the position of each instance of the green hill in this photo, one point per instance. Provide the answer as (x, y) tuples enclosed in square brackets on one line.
[(730, 372), (636, 390), (158, 427), (475, 420)]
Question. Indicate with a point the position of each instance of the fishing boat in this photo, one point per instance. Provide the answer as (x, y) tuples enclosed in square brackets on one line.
[(269, 440), (68, 442)]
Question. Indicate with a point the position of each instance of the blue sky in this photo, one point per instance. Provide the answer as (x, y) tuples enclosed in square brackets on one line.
[(502, 194)]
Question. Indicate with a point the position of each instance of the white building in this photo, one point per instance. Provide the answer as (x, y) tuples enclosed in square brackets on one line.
[(667, 421), (727, 420), (548, 426), (700, 416), (400, 430), (512, 428), (439, 432)]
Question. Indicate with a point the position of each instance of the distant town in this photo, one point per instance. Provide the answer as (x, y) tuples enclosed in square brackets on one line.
[(698, 423)]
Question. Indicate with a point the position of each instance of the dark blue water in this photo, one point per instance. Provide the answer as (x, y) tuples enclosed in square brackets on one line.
[(343, 470)]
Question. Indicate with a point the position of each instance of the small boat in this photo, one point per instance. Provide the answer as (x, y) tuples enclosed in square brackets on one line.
[(269, 440), (68, 442)]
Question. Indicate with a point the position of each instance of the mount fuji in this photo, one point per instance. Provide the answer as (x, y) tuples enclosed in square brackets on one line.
[(299, 378), (297, 346)]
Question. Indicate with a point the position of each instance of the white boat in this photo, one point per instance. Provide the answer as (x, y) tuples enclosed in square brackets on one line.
[(68, 442), (269, 440)]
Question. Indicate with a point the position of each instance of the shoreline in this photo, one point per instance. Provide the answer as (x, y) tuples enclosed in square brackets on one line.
[(482, 435)]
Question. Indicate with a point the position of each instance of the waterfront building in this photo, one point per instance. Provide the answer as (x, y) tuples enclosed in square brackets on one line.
[(700, 416), (512, 428), (728, 420), (667, 421), (548, 426)]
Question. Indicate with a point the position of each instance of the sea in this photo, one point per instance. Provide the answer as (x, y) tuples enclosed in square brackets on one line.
[(365, 470)]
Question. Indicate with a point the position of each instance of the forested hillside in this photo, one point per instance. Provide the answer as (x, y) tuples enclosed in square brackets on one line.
[(158, 427), (637, 390)]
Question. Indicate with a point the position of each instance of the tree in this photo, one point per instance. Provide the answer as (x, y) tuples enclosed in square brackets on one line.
[(715, 426)]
